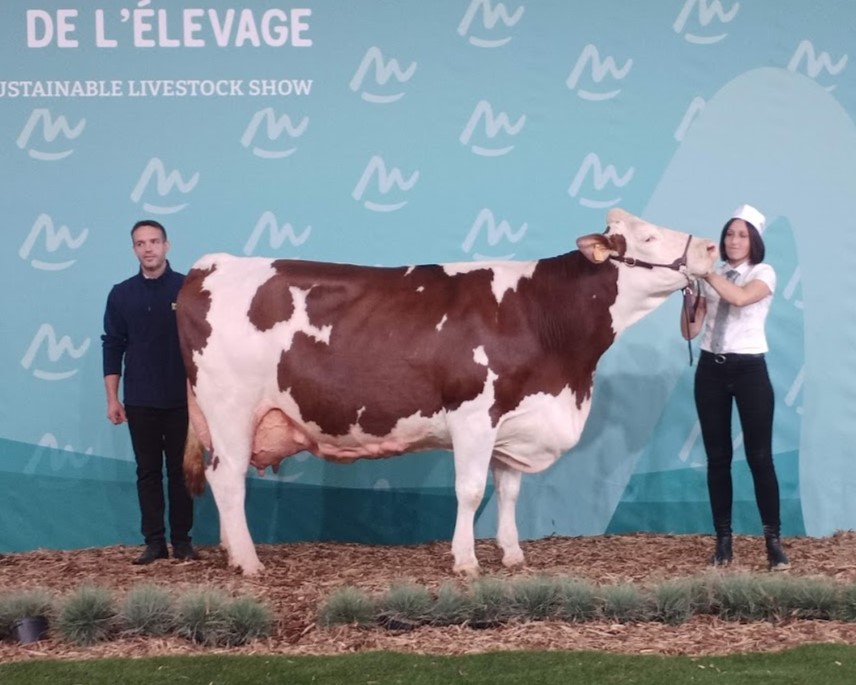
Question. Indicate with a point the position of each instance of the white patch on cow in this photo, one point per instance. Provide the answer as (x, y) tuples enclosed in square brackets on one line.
[(540, 430), (455, 268), (439, 326), (300, 319), (412, 433), (480, 356), (506, 275), (409, 271), (420, 289), (209, 260)]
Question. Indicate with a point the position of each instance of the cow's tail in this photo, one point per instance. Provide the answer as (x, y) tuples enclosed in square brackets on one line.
[(194, 465), (194, 453)]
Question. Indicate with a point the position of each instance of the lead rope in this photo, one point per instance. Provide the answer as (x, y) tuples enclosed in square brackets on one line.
[(690, 307)]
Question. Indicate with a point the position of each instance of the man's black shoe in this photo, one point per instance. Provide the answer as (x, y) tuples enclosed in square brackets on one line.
[(184, 551), (152, 553)]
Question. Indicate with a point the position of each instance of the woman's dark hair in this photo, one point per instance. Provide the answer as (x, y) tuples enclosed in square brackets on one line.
[(756, 243), (148, 222)]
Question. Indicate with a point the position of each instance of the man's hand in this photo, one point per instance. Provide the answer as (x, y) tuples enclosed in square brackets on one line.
[(116, 412)]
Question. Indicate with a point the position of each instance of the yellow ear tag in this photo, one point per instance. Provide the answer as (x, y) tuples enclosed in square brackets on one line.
[(600, 253)]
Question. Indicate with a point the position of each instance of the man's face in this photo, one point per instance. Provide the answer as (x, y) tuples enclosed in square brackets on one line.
[(150, 248)]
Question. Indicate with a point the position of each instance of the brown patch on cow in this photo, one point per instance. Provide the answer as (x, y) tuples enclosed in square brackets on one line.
[(552, 331), (191, 314), (273, 302), (618, 243), (386, 358)]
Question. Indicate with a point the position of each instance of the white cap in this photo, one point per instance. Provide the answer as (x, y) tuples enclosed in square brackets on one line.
[(751, 215)]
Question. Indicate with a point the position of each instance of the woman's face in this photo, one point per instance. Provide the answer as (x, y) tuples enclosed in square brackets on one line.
[(737, 242)]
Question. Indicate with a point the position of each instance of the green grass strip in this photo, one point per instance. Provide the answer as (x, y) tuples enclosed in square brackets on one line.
[(827, 664)]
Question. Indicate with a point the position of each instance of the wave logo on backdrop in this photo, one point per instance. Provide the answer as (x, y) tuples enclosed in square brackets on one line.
[(60, 459), (600, 69), (31, 137), (383, 72), (790, 289), (54, 239), (496, 233), (164, 185), (493, 126), (491, 15), (707, 12), (274, 128), (59, 353), (601, 178), (277, 235), (793, 393), (386, 182), (693, 110), (792, 294), (816, 63)]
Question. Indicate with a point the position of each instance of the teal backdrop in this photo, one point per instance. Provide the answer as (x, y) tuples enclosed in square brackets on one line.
[(419, 131)]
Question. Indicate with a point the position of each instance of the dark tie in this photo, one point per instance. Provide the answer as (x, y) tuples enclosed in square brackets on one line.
[(719, 323)]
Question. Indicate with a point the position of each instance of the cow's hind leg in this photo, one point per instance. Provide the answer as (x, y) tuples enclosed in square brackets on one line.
[(231, 435), (228, 484), (507, 483), (472, 450)]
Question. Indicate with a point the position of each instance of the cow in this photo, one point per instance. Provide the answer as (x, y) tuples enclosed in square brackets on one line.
[(494, 361)]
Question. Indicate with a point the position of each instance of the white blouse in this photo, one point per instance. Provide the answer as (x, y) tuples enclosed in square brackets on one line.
[(744, 332)]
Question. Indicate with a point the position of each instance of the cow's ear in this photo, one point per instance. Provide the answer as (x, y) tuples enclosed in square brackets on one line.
[(595, 247)]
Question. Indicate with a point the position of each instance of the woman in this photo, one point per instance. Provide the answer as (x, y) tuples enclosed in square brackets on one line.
[(732, 310)]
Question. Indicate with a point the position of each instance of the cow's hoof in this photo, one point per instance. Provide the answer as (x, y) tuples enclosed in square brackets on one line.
[(513, 558), (252, 569), (468, 570)]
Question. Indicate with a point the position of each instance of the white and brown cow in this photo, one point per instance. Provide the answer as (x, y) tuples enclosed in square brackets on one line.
[(492, 360)]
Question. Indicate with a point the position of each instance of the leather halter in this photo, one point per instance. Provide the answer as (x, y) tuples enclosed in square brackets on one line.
[(679, 264)]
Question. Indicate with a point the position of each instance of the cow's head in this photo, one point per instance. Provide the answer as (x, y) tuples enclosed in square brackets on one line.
[(651, 262), (637, 243)]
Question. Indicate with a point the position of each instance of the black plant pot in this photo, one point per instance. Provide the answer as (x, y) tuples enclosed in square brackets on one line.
[(484, 624), (397, 624), (30, 629)]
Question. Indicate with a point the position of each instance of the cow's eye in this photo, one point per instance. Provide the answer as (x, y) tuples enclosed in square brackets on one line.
[(650, 238)]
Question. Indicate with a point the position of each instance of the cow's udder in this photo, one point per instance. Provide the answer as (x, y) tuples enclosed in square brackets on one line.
[(276, 438)]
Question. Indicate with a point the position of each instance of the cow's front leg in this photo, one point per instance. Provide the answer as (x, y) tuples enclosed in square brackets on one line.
[(228, 484), (507, 482), (472, 450)]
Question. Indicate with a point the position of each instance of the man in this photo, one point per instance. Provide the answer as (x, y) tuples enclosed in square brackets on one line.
[(140, 327)]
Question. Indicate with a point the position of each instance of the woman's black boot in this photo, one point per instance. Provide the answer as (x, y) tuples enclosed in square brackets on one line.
[(776, 557), (722, 554)]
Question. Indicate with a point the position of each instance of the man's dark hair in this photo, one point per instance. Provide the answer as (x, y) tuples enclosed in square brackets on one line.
[(148, 222), (757, 251)]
